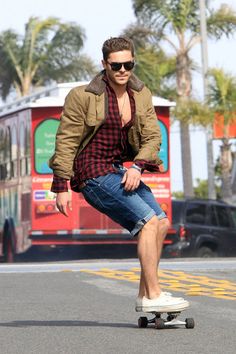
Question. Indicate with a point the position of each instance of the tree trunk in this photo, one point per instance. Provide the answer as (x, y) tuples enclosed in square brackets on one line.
[(186, 160), (184, 90), (26, 85), (210, 165), (209, 136), (226, 166)]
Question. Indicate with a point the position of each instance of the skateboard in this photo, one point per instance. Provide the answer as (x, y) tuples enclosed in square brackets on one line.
[(169, 321)]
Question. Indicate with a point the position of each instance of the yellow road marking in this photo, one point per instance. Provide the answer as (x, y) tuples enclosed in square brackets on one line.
[(189, 284)]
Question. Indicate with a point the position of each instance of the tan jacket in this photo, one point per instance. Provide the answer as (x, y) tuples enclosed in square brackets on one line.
[(85, 110)]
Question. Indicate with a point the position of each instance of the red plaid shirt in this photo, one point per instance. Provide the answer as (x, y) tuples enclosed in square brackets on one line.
[(108, 147)]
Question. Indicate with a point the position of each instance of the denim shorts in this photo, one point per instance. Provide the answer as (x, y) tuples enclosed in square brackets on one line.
[(132, 210)]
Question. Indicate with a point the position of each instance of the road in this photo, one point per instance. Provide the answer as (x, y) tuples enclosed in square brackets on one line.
[(87, 307)]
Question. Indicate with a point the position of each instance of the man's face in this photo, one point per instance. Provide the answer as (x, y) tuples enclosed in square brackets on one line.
[(121, 76)]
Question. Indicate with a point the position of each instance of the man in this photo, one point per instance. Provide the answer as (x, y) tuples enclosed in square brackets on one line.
[(103, 124)]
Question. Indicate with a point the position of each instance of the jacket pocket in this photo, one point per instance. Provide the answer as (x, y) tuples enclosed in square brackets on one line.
[(95, 111)]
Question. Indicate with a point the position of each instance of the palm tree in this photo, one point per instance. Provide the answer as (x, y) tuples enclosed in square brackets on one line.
[(220, 108), (153, 66), (48, 51), (222, 100), (177, 22)]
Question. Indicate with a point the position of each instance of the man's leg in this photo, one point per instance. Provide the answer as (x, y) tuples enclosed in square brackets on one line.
[(161, 232), (164, 225), (132, 212), (148, 257), (149, 251)]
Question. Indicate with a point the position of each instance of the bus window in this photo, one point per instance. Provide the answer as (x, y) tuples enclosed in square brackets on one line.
[(13, 204), (2, 154), (13, 152), (44, 144), (22, 150), (7, 153), (27, 149), (163, 154)]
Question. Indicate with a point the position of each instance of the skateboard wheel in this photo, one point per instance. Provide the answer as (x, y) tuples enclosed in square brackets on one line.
[(189, 323), (159, 323), (142, 322)]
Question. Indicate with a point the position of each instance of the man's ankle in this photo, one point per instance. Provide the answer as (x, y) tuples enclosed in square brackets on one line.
[(153, 295)]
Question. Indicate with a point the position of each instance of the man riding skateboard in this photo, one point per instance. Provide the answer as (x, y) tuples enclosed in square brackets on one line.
[(103, 124)]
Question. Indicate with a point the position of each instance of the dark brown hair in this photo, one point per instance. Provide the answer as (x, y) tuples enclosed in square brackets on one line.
[(117, 44)]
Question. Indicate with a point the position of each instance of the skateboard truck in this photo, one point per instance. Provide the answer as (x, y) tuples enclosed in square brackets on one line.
[(169, 321)]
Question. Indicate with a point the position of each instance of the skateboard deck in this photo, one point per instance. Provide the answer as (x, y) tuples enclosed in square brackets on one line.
[(170, 320)]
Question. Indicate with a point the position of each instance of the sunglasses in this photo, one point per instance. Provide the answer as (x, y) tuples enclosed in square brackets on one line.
[(128, 65)]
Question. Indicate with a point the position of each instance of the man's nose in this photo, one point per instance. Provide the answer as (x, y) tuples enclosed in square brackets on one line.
[(122, 68)]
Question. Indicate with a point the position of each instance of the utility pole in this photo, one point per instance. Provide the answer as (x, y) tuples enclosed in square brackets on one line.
[(209, 134)]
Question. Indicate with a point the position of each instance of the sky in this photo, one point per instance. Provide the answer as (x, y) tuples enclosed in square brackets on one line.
[(102, 19)]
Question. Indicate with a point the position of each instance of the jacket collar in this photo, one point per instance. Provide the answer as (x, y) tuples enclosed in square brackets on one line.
[(98, 85)]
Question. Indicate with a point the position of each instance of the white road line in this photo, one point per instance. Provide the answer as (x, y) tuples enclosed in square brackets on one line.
[(186, 265)]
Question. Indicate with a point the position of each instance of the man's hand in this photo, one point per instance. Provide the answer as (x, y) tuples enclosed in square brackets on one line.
[(62, 202), (131, 179)]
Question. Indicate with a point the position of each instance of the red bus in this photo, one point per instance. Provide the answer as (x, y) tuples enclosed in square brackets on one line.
[(28, 215)]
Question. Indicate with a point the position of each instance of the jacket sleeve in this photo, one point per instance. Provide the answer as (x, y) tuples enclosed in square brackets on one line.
[(150, 134), (59, 185), (68, 136)]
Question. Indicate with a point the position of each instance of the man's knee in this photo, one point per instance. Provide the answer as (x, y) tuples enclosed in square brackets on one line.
[(164, 224), (153, 224)]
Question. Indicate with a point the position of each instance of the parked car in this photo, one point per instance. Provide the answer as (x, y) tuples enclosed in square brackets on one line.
[(201, 228)]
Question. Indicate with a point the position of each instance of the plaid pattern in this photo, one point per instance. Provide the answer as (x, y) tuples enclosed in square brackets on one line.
[(59, 184), (108, 147)]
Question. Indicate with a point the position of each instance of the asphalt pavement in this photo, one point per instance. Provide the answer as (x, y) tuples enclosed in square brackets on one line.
[(87, 307)]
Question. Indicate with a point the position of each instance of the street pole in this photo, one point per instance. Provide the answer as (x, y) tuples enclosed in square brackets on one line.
[(209, 134)]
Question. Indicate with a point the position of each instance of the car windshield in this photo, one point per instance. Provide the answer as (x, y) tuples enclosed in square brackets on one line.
[(176, 211), (196, 213)]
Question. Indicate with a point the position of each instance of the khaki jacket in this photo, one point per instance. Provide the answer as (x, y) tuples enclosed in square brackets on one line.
[(83, 113)]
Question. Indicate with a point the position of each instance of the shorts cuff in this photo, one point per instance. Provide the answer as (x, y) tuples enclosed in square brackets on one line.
[(162, 215), (139, 225)]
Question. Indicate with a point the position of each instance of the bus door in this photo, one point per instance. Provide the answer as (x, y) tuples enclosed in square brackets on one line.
[(45, 216)]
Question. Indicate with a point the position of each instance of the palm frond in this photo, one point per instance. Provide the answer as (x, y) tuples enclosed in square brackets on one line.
[(49, 50), (194, 112), (222, 93), (174, 15), (8, 74), (221, 22)]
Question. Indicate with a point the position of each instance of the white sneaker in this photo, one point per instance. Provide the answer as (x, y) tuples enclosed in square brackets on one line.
[(164, 304), (139, 300), (139, 304), (166, 293)]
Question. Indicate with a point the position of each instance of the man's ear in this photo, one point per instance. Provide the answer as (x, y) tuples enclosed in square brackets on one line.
[(104, 64)]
